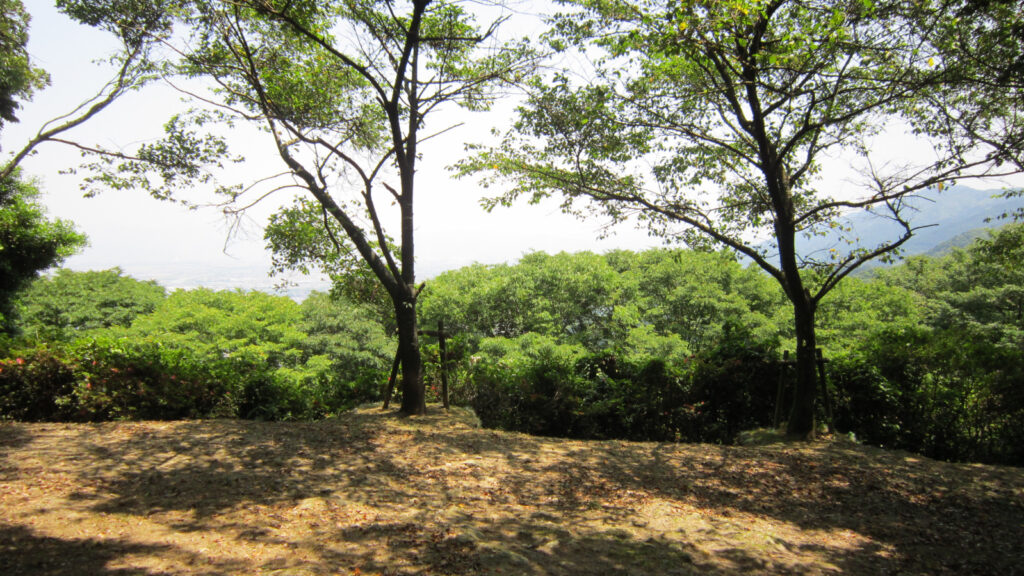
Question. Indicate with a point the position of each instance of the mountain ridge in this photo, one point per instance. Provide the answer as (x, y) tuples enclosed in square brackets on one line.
[(948, 219)]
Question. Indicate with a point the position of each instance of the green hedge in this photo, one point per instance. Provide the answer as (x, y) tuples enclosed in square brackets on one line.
[(946, 394), (109, 378), (534, 384)]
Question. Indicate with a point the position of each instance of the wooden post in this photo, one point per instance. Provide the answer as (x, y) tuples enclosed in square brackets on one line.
[(824, 387), (444, 362), (780, 396), (391, 381)]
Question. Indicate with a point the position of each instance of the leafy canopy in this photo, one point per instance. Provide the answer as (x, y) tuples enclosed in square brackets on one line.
[(71, 303), (709, 122), (18, 77), (29, 241)]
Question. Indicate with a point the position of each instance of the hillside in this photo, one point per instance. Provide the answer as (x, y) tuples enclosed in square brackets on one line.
[(942, 216), (373, 493), (962, 240)]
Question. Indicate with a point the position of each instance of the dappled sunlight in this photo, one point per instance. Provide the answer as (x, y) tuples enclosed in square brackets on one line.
[(375, 492)]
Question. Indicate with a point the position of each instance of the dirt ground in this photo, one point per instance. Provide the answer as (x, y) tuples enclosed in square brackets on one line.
[(375, 493)]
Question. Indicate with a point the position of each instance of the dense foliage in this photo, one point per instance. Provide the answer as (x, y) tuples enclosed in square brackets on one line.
[(927, 356), (18, 77), (67, 303), (668, 345), (711, 122), (195, 353), (640, 346), (29, 241)]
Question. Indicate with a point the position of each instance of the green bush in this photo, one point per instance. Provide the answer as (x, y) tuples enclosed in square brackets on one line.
[(103, 379), (732, 387), (534, 384), (947, 394), (631, 398), (126, 379), (526, 384), (864, 402), (37, 386)]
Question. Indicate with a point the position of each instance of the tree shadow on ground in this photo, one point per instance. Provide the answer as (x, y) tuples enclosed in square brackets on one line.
[(507, 546), (23, 553), (210, 467), (961, 519), (13, 436), (917, 514), (433, 495)]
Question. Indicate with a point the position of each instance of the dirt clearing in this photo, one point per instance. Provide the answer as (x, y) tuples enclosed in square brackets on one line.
[(375, 493)]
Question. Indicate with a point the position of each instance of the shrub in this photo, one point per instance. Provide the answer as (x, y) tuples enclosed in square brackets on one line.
[(534, 384), (732, 388), (125, 379), (864, 401), (947, 394), (37, 385), (632, 398), (526, 384)]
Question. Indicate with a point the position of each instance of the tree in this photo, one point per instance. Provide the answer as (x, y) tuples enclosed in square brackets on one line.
[(344, 90), (69, 303), (18, 77), (572, 297), (858, 308), (978, 290), (696, 295), (29, 242), (981, 50), (352, 340), (300, 239), (733, 106)]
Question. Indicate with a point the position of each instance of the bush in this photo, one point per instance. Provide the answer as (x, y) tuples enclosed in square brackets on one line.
[(534, 384), (943, 393), (732, 388), (126, 379), (110, 378), (632, 398), (864, 402), (37, 386), (525, 384)]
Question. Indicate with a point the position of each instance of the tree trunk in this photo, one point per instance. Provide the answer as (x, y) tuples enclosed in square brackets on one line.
[(414, 398), (801, 419)]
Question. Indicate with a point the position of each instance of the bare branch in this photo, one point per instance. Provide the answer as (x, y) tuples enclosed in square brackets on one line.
[(124, 80)]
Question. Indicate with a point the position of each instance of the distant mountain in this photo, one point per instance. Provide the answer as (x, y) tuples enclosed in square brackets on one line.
[(953, 217), (962, 240)]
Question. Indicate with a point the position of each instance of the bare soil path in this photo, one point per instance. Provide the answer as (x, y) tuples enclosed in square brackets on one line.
[(375, 493)]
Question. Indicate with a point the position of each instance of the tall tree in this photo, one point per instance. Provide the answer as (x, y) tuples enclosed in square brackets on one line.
[(344, 89), (29, 242), (710, 121)]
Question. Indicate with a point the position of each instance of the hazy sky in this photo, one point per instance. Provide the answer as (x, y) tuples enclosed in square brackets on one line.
[(152, 239)]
